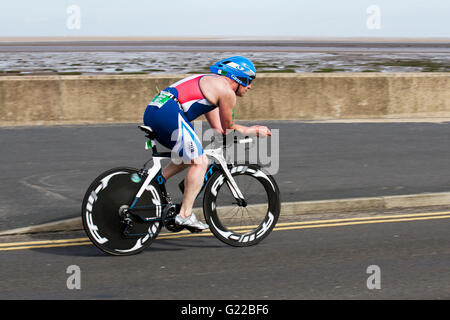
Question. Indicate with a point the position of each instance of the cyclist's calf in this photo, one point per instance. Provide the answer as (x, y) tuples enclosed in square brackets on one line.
[(193, 183)]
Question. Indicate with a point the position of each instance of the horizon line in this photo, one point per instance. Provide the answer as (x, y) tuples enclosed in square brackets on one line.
[(221, 38)]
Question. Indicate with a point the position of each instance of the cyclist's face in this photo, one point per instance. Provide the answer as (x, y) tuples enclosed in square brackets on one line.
[(243, 90)]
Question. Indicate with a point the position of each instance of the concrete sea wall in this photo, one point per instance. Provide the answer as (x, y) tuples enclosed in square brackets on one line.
[(40, 100)]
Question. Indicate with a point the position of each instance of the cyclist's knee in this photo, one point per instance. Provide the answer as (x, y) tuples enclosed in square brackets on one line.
[(201, 161)]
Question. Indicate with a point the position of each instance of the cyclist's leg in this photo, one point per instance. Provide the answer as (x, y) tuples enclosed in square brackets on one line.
[(175, 132), (172, 169), (193, 184), (189, 148), (184, 142)]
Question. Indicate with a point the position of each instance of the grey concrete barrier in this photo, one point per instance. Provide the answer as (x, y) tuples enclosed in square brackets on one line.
[(47, 100)]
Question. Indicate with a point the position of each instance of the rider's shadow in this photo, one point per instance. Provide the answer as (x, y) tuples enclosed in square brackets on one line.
[(159, 245), (89, 251), (172, 244)]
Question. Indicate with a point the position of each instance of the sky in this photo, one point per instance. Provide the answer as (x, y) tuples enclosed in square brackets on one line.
[(232, 18)]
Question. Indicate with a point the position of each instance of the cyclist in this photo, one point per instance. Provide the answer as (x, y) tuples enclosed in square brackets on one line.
[(169, 114)]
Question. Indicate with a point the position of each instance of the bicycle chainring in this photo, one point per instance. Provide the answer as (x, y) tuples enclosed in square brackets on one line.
[(168, 218)]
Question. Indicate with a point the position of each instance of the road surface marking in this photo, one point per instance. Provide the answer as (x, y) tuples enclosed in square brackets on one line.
[(241, 229)]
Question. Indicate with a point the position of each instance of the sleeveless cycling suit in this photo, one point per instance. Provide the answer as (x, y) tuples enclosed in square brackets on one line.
[(169, 115)]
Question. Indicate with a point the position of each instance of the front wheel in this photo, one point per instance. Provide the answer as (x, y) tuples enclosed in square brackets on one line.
[(237, 225), (103, 204)]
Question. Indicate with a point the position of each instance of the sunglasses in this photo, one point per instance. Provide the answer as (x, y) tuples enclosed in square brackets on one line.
[(246, 81)]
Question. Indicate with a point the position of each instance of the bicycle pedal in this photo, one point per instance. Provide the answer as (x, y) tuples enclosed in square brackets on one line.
[(174, 227), (193, 230)]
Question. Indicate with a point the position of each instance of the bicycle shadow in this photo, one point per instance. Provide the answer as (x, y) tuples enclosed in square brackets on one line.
[(159, 245), (204, 242)]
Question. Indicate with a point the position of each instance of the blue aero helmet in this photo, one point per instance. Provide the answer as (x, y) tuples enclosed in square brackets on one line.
[(239, 69)]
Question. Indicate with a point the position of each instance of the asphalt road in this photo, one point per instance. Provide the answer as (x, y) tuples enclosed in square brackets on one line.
[(46, 170), (405, 258), (401, 254)]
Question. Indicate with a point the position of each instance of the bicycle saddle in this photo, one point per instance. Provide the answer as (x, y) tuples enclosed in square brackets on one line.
[(148, 132)]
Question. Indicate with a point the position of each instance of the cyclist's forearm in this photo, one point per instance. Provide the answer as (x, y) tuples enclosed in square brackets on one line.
[(246, 131)]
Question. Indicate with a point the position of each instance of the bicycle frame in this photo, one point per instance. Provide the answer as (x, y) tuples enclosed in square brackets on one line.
[(216, 154)]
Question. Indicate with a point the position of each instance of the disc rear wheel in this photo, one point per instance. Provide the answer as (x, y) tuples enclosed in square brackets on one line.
[(104, 204)]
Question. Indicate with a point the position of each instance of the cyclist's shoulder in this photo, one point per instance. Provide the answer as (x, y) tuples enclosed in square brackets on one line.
[(215, 83), (216, 89)]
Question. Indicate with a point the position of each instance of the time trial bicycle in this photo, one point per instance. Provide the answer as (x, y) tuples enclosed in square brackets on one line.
[(124, 209)]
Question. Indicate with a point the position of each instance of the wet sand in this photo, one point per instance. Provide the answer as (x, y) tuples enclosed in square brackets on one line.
[(212, 45), (30, 56)]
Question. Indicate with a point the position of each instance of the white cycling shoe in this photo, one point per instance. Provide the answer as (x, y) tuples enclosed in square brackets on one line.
[(190, 222)]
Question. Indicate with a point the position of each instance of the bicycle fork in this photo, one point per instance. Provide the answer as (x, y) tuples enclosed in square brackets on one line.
[(217, 154)]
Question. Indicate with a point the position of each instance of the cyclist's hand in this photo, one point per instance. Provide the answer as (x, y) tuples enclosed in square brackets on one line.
[(262, 131)]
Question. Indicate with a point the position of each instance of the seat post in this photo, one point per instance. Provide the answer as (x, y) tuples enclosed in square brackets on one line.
[(151, 136), (155, 151), (152, 143)]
